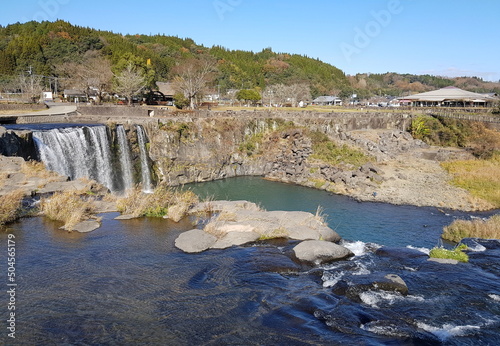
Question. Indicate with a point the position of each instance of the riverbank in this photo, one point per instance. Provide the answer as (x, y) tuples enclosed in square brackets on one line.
[(411, 179)]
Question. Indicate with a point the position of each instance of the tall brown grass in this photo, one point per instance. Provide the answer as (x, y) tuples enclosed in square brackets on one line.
[(37, 169), (459, 229), (68, 207), (164, 201), (3, 179), (480, 177), (10, 206)]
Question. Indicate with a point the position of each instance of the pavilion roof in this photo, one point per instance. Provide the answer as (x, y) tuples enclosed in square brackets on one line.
[(449, 94)]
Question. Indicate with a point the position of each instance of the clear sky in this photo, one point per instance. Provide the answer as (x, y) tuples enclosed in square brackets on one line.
[(439, 37)]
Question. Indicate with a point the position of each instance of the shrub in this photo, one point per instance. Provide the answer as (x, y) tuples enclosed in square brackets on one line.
[(485, 143), (181, 101), (445, 131), (455, 254), (68, 207), (10, 206), (329, 152), (459, 229)]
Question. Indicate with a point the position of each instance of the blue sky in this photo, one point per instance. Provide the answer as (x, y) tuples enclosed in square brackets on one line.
[(440, 37)]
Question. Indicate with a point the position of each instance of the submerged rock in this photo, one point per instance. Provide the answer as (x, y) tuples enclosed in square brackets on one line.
[(318, 251), (364, 283), (399, 252), (443, 260)]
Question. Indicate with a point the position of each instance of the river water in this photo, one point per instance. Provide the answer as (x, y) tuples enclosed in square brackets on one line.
[(126, 283)]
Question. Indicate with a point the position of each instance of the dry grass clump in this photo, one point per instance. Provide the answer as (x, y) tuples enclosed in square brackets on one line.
[(164, 201), (213, 228), (479, 177), (3, 179), (227, 216), (320, 215), (459, 229), (277, 233), (10, 206), (37, 169), (68, 207)]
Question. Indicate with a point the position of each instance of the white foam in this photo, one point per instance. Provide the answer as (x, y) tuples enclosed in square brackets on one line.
[(358, 248), (331, 279), (362, 269), (388, 330), (421, 249), (374, 298), (410, 269), (495, 297), (448, 330), (476, 247)]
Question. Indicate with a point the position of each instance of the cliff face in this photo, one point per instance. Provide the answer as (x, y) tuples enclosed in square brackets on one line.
[(209, 148), (17, 143), (205, 146)]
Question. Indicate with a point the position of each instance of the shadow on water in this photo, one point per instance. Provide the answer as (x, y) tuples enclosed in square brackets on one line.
[(127, 284)]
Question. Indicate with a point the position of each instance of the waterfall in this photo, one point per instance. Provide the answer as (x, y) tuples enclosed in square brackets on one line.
[(77, 152), (125, 159), (145, 171)]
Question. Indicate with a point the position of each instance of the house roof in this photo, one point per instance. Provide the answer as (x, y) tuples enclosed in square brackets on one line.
[(449, 94), (166, 88), (73, 92), (326, 99)]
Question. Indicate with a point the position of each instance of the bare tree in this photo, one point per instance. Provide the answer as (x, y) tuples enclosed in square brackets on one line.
[(298, 92), (31, 86), (281, 94), (98, 74), (130, 82), (93, 73), (192, 77)]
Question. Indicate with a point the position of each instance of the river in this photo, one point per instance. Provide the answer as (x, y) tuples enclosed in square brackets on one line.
[(126, 283)]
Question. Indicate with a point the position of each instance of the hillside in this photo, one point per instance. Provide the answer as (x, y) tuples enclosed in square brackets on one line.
[(48, 48), (48, 45)]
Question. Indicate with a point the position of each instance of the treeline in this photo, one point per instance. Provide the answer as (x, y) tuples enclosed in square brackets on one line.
[(52, 49), (43, 48)]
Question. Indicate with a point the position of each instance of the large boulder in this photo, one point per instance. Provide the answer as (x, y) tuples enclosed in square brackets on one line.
[(195, 241), (319, 251)]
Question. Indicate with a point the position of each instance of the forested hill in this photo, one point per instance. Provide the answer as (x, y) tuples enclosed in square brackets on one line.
[(48, 45), (45, 47)]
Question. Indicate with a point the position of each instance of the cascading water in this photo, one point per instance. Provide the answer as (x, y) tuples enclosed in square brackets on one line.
[(125, 159), (77, 152), (145, 171)]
